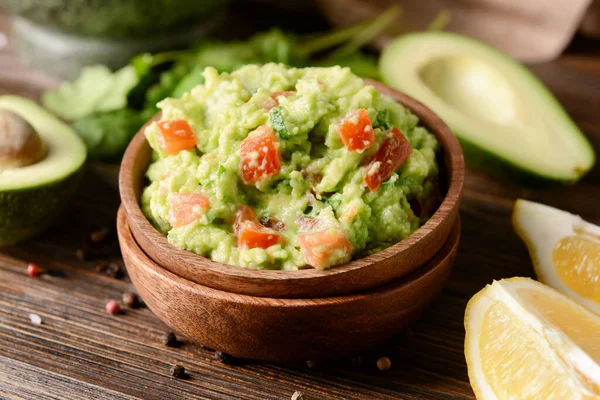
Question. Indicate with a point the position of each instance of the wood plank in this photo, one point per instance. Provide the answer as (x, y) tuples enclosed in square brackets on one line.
[(81, 352)]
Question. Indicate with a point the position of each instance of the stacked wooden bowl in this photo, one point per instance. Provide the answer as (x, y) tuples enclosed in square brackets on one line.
[(293, 315)]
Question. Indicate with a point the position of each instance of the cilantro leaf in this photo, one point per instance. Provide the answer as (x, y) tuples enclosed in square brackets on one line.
[(361, 64), (334, 203), (278, 123), (382, 120), (96, 89), (189, 81), (106, 134)]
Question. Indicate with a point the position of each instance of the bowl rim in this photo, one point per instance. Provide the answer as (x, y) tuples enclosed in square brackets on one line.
[(300, 283), (449, 249)]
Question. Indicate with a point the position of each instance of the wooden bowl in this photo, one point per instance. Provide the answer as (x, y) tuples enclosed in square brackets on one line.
[(278, 329), (385, 266)]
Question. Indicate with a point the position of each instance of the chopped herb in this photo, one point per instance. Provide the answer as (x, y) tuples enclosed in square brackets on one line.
[(278, 122), (221, 170), (382, 120), (334, 203)]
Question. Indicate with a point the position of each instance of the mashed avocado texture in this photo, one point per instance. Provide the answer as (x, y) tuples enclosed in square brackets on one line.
[(282, 168)]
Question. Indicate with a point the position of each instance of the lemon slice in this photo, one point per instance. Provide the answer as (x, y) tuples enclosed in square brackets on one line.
[(564, 248), (525, 340)]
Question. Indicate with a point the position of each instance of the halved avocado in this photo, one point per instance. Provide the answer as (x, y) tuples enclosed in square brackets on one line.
[(508, 122), (32, 193)]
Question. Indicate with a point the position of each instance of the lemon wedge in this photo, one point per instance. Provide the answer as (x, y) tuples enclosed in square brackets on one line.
[(525, 340), (564, 248)]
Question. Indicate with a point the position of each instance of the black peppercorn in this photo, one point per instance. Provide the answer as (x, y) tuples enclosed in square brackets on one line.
[(177, 371), (224, 357), (114, 271), (131, 300), (169, 339)]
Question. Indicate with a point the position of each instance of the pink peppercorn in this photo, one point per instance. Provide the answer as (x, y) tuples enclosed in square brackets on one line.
[(113, 307), (33, 270)]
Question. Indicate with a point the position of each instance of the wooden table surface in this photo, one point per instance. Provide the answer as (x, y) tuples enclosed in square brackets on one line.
[(81, 352)]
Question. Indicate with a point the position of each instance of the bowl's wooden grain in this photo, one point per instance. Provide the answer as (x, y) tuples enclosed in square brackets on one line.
[(284, 329), (365, 273)]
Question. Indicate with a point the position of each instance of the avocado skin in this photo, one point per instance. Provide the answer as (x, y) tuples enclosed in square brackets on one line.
[(482, 160), (27, 213)]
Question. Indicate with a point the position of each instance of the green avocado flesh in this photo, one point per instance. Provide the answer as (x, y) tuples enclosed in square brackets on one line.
[(32, 197), (505, 118), (316, 203)]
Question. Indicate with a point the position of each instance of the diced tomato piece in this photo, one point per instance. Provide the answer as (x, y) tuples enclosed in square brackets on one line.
[(243, 214), (325, 248), (356, 130), (251, 234), (259, 157), (322, 85), (286, 93), (307, 224), (392, 153), (272, 102), (269, 103), (185, 208), (176, 135)]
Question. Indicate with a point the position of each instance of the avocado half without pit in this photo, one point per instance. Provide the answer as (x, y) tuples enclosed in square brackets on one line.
[(507, 121), (40, 163)]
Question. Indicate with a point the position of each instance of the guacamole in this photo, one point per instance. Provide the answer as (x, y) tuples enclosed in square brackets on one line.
[(272, 167)]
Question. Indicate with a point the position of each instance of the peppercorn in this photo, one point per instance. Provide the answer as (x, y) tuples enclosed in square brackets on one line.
[(177, 371), (33, 270), (131, 300), (384, 363), (169, 339), (81, 254), (111, 269), (113, 307), (298, 396), (114, 271), (224, 357), (35, 319)]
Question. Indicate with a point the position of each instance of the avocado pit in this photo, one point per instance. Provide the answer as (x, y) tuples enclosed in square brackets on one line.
[(20, 144)]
